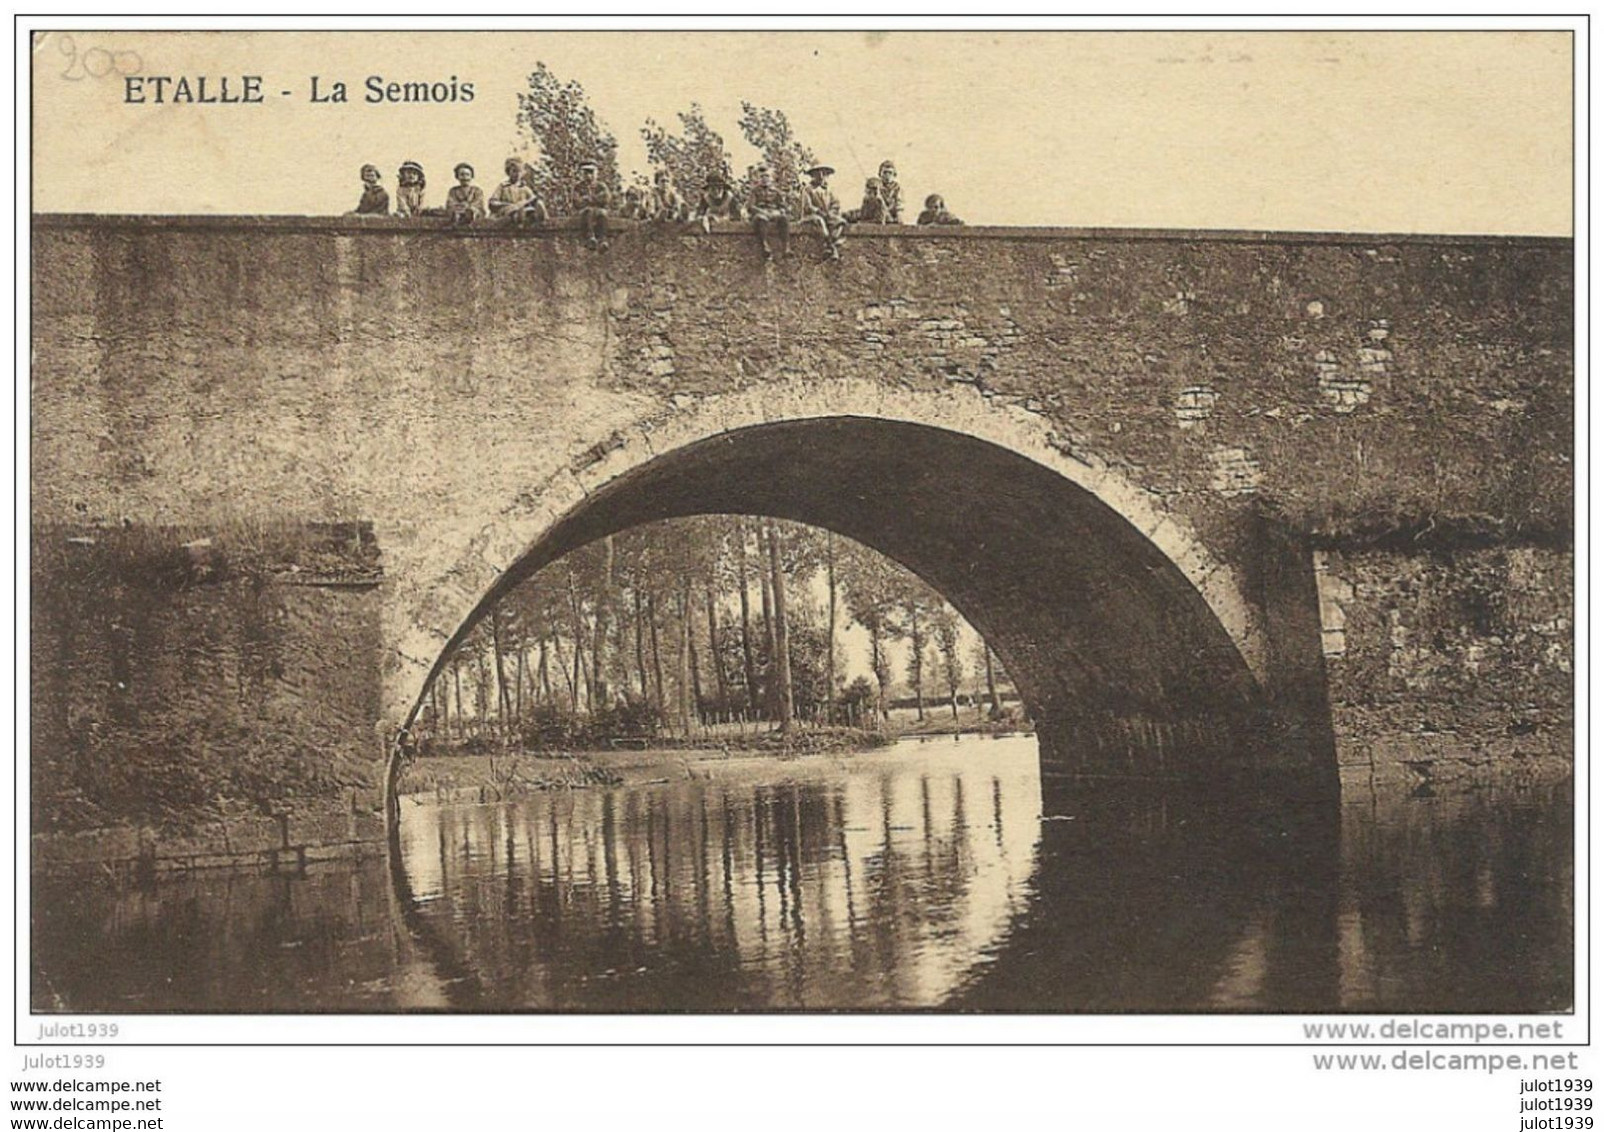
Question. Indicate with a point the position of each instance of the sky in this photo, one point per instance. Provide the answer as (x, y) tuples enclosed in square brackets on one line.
[(1296, 131)]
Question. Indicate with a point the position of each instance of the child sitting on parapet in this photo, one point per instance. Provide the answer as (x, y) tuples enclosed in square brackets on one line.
[(635, 207), (936, 211), (666, 205), (821, 210), (514, 201), (375, 201), (718, 202), (409, 190), (873, 209), (594, 200), (465, 203), (890, 193), (770, 210)]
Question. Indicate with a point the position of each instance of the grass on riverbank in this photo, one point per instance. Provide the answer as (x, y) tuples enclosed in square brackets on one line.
[(503, 775), (804, 741), (500, 778), (934, 723)]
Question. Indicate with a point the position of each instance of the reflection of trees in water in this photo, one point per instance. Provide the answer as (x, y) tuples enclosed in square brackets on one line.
[(855, 889)]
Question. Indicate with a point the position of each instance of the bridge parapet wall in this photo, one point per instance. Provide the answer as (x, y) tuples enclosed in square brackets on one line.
[(194, 364)]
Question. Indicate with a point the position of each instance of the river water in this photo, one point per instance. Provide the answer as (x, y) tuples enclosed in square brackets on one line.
[(925, 876)]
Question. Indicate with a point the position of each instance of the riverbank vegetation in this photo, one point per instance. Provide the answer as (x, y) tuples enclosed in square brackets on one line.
[(713, 631), (504, 775)]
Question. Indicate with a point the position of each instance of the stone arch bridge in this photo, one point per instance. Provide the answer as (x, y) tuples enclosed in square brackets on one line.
[(1194, 487)]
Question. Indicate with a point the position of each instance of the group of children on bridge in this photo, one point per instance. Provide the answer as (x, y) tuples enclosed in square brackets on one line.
[(771, 208)]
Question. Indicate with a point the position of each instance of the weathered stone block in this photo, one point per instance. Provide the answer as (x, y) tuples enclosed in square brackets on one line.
[(320, 829), (62, 849), (251, 835), (367, 826)]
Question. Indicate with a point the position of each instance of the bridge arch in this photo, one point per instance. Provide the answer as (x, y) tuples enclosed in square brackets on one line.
[(1135, 648)]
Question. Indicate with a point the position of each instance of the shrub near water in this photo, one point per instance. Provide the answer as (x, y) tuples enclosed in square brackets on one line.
[(550, 727), (500, 777)]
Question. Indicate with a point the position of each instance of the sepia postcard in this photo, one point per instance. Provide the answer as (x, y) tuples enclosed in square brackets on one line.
[(663, 522)]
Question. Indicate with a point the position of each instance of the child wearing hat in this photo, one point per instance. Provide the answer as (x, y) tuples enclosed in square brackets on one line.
[(717, 202), (593, 200), (409, 190), (821, 210), (375, 201), (465, 203)]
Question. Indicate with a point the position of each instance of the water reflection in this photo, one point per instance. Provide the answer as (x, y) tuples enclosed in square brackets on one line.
[(324, 940), (1458, 903), (916, 878), (815, 884)]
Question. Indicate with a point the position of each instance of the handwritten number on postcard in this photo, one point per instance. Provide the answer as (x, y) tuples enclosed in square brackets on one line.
[(97, 62)]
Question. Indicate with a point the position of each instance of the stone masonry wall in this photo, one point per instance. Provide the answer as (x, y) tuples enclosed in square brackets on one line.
[(370, 371), (424, 381), (1341, 382), (228, 709), (1450, 667)]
